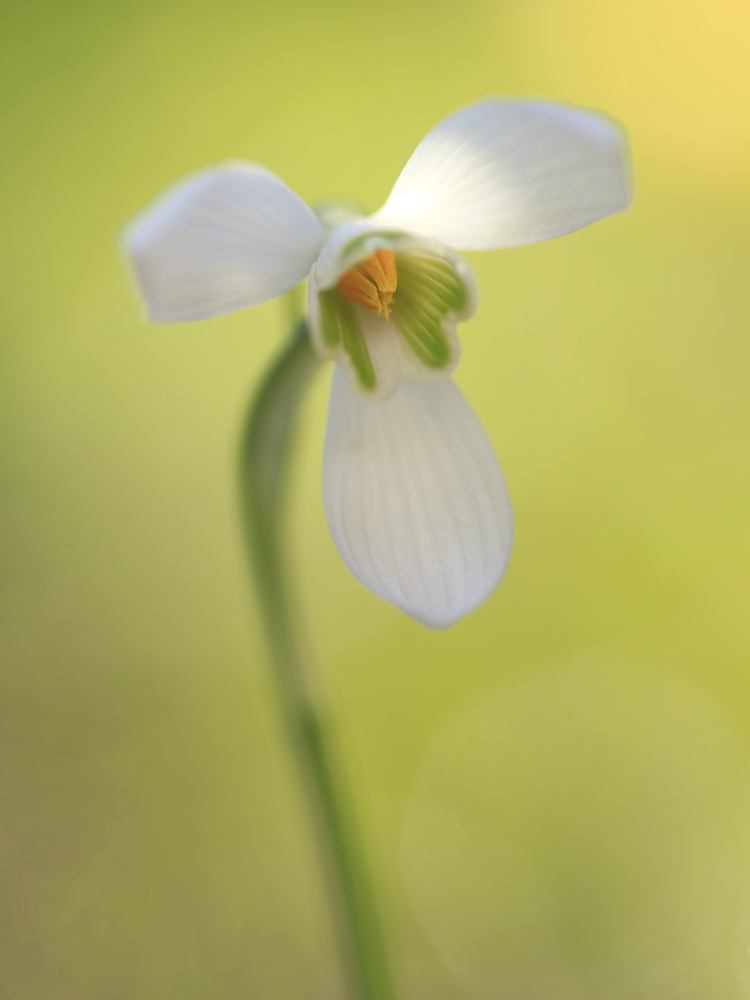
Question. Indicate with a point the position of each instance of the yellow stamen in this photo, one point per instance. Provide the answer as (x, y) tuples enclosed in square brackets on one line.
[(372, 282)]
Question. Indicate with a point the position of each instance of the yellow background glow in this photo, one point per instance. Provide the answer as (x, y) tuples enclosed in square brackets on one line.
[(152, 842)]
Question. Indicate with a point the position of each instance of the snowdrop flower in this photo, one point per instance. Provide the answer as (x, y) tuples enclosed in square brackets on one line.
[(414, 496)]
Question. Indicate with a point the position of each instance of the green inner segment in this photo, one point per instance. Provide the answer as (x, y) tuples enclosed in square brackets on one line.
[(428, 290), (339, 325)]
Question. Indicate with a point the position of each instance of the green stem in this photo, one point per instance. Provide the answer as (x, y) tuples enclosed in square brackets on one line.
[(264, 459)]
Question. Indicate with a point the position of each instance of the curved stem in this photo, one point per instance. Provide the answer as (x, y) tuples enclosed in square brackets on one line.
[(264, 458)]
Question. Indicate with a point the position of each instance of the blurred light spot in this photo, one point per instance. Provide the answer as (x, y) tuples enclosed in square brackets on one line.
[(675, 71), (583, 835)]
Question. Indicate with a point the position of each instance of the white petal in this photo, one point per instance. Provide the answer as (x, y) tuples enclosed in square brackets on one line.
[(225, 240), (415, 499), (503, 173)]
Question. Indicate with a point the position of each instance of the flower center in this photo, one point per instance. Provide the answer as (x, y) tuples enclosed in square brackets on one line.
[(371, 283)]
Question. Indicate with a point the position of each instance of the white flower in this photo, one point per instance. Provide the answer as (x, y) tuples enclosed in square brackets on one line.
[(414, 496)]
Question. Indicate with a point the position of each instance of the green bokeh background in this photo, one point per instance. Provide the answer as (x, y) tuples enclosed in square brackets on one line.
[(152, 840)]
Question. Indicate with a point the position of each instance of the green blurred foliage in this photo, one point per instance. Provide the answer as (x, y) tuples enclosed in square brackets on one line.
[(153, 843)]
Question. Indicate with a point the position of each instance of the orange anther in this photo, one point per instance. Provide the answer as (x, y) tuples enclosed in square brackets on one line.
[(372, 282)]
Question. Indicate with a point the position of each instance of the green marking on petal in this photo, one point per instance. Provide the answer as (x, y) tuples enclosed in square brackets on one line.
[(339, 325), (432, 276), (428, 290), (425, 336), (329, 319)]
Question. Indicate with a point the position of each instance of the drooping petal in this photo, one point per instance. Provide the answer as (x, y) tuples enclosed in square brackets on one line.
[(415, 499), (222, 241), (504, 173)]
